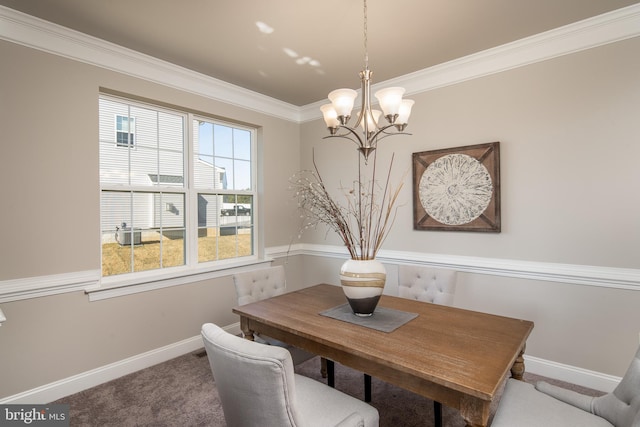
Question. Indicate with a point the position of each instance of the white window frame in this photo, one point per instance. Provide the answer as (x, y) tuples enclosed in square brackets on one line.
[(192, 270)]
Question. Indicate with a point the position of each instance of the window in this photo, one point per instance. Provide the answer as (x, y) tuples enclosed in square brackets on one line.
[(223, 179), (184, 198), (125, 130)]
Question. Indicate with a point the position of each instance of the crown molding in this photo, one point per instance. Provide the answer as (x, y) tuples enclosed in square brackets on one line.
[(26, 30), (29, 31), (603, 29)]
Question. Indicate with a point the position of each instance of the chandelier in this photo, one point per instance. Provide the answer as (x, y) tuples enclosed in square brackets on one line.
[(395, 110)]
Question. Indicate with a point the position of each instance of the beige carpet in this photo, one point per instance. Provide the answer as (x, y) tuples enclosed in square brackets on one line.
[(182, 392)]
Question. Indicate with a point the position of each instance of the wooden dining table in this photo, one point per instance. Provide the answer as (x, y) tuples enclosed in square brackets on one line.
[(457, 357)]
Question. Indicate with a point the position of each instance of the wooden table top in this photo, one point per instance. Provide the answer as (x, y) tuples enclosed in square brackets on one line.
[(444, 347)]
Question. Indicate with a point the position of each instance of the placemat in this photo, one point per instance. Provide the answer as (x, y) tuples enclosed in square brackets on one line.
[(383, 319)]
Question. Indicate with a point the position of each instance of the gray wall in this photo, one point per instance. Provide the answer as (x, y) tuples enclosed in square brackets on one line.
[(49, 163), (570, 184), (569, 135)]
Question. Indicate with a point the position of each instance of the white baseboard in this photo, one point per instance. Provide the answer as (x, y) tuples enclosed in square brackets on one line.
[(571, 374), (77, 383)]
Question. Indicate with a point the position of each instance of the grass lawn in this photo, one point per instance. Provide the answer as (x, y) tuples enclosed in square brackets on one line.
[(116, 259)]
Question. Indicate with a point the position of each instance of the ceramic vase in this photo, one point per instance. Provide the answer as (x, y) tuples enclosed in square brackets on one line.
[(363, 282)]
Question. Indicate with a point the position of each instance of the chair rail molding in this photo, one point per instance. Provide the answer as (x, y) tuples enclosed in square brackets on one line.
[(608, 277), (89, 281), (32, 287)]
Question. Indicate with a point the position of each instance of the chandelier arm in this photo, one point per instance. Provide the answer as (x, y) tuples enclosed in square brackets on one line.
[(343, 136), (353, 132), (381, 133)]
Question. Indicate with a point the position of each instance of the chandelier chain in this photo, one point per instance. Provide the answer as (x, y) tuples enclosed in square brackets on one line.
[(366, 51)]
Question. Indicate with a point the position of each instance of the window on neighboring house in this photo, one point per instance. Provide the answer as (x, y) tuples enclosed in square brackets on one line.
[(184, 198), (125, 131)]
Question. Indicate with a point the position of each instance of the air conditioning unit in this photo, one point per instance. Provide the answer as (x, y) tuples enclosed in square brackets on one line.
[(123, 236)]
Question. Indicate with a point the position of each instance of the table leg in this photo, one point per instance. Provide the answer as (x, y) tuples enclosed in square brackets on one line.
[(244, 327), (517, 370), (330, 374), (475, 412), (367, 388), (437, 413)]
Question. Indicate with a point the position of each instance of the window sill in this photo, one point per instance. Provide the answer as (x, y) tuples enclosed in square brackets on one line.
[(118, 286)]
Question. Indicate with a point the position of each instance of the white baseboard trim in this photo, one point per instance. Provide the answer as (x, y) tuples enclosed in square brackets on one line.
[(571, 374), (77, 383)]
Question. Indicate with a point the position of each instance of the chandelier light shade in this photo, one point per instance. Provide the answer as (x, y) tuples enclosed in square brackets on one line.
[(395, 110), (342, 101), (390, 100), (404, 113)]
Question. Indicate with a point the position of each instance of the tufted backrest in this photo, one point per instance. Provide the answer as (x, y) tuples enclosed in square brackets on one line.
[(255, 382), (622, 407), (430, 284), (257, 285)]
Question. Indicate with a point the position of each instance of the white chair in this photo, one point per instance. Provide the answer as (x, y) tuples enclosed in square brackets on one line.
[(526, 405), (256, 285), (427, 284), (258, 387)]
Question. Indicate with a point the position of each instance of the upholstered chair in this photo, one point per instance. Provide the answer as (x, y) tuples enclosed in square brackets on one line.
[(256, 285), (429, 284), (526, 405), (258, 387)]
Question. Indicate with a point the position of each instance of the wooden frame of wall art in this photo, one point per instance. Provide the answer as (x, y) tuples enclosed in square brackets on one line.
[(457, 189)]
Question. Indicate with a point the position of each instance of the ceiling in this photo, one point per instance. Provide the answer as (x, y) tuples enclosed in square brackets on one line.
[(299, 50)]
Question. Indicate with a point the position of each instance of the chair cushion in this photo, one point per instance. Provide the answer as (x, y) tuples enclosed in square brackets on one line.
[(579, 400), (521, 405), (314, 398)]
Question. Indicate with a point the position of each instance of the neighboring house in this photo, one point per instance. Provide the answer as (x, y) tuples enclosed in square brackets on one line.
[(143, 153)]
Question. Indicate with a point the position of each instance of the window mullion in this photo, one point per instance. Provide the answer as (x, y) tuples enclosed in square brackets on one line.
[(192, 195), (161, 194)]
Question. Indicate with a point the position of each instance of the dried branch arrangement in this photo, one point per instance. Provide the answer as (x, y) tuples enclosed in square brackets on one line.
[(362, 217)]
